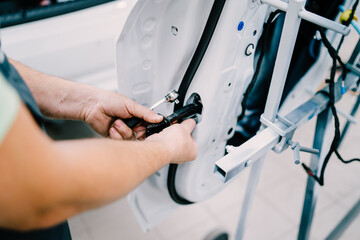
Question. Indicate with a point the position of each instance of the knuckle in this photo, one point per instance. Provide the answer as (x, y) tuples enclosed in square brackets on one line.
[(130, 106)]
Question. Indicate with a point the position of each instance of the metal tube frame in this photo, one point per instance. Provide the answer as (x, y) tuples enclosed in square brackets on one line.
[(312, 188), (286, 47), (321, 142), (294, 13), (243, 156), (310, 17)]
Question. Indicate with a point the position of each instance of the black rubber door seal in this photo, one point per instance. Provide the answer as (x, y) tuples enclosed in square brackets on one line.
[(204, 42)]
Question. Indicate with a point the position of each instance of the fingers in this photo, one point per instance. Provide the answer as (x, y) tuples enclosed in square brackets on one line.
[(142, 112), (189, 125), (141, 135), (122, 131), (140, 132), (114, 134)]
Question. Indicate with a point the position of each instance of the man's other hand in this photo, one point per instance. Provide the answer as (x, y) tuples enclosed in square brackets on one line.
[(178, 141)]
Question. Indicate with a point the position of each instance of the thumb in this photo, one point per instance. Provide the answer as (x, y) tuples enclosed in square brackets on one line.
[(189, 125)]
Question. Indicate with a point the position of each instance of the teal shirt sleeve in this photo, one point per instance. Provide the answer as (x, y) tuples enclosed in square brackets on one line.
[(9, 106)]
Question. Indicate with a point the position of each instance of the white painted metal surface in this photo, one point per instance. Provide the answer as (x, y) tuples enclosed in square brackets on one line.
[(152, 59)]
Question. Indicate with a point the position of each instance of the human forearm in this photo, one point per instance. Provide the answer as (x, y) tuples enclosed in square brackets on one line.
[(49, 181), (57, 97), (58, 180), (81, 175), (90, 173), (108, 169), (98, 177)]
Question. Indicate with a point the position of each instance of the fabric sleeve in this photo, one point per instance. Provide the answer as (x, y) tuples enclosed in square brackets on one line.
[(9, 106)]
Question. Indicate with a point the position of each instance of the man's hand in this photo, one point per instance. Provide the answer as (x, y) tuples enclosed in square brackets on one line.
[(105, 111), (178, 141), (102, 110)]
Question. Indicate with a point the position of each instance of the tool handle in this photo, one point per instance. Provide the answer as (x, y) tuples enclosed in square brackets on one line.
[(193, 107), (157, 127), (185, 112), (178, 115), (132, 122)]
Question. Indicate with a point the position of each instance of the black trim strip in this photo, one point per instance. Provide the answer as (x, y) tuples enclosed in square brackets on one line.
[(204, 42)]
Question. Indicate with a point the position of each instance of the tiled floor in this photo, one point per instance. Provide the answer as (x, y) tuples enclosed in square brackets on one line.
[(276, 210)]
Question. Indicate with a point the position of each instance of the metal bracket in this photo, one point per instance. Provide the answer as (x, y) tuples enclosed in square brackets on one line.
[(311, 17), (283, 127), (286, 137), (282, 131), (295, 146), (249, 152)]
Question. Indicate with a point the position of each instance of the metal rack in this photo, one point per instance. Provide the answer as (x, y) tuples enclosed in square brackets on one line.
[(276, 131)]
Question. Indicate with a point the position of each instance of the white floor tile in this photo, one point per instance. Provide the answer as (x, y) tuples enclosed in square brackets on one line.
[(338, 179), (273, 172), (187, 220), (289, 198), (292, 234), (114, 231), (325, 221), (84, 236), (199, 231), (78, 228), (348, 201), (263, 223), (232, 194), (115, 222)]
